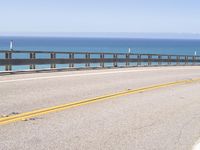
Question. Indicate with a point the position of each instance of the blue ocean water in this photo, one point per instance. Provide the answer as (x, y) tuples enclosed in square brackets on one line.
[(158, 46)]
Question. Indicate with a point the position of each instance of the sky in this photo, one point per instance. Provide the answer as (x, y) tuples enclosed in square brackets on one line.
[(99, 16)]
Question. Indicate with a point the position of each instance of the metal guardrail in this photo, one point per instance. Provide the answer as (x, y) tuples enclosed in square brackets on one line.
[(88, 58)]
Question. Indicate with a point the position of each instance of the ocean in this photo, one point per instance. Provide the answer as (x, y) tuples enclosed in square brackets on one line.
[(118, 45)]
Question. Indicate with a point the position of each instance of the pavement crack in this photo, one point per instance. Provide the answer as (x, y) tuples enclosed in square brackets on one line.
[(147, 126)]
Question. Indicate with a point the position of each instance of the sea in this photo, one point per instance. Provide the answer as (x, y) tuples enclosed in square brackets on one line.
[(89, 44)]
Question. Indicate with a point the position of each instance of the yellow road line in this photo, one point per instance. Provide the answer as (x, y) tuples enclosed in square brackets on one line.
[(27, 115)]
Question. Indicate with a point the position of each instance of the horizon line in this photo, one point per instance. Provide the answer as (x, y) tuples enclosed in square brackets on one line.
[(159, 35)]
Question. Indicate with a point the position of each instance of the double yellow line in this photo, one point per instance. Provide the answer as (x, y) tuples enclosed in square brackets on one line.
[(31, 114)]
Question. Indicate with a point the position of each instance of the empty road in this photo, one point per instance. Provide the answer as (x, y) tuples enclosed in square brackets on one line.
[(166, 117)]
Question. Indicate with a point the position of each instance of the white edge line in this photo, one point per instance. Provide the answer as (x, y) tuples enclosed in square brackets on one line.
[(196, 146), (87, 74)]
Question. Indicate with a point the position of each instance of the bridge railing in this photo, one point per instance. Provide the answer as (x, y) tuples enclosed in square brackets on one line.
[(52, 58)]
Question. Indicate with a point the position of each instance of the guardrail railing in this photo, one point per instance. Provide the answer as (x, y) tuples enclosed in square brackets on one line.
[(33, 58)]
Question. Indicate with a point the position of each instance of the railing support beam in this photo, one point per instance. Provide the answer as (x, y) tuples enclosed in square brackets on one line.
[(32, 56), (149, 60), (115, 60), (138, 60), (8, 56), (53, 57), (159, 60), (127, 59), (169, 60), (87, 57), (71, 57), (102, 60)]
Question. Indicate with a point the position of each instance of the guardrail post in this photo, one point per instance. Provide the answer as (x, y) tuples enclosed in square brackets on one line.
[(177, 60), (149, 60), (186, 60), (169, 60), (115, 60), (87, 57), (193, 60), (53, 57), (127, 59), (32, 57), (138, 60), (8, 56), (102, 60), (198, 60), (71, 57), (159, 60)]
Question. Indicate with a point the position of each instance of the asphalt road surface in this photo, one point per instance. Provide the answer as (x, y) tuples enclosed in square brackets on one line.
[(167, 118)]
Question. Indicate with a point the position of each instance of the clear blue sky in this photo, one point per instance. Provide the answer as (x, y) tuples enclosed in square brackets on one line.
[(52, 16)]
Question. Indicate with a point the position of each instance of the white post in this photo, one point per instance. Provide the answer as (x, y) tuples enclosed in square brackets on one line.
[(129, 50), (11, 45), (195, 53)]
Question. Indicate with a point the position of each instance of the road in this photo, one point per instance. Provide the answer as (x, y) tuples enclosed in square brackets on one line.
[(165, 118)]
